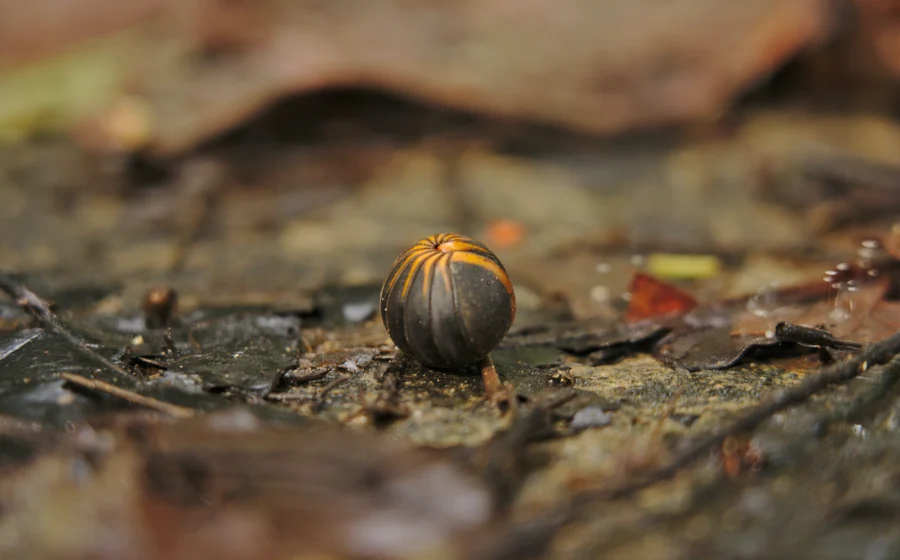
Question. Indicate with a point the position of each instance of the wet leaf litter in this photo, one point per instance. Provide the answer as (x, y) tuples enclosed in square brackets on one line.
[(271, 414), (304, 368)]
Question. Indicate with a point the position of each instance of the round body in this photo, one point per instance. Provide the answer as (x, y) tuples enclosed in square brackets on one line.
[(447, 301)]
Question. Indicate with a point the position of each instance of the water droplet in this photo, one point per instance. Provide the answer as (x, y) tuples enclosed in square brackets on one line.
[(871, 243), (762, 303), (839, 314), (600, 294)]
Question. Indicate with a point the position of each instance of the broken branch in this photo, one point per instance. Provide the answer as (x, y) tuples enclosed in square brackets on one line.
[(129, 396)]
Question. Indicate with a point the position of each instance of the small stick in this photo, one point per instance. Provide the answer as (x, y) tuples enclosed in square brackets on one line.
[(810, 336), (492, 383), (32, 432), (850, 169), (536, 532), (41, 311), (328, 388), (502, 462), (287, 380), (288, 397), (314, 375), (203, 179), (192, 338), (134, 398), (874, 355), (495, 390), (387, 402), (306, 346)]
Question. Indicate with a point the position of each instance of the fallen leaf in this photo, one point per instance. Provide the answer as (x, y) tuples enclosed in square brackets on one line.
[(652, 298), (502, 234), (616, 66)]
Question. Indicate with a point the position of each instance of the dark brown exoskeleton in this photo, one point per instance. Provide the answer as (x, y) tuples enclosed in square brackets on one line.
[(447, 302)]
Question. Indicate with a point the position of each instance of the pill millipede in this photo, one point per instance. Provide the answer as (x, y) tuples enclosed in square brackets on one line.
[(447, 301)]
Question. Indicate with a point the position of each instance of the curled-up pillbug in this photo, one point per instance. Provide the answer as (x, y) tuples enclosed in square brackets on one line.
[(447, 302)]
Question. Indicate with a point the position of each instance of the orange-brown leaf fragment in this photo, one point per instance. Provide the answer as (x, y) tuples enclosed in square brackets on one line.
[(739, 456), (651, 298), (503, 234)]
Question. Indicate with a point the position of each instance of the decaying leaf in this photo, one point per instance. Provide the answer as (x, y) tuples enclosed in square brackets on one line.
[(230, 485), (655, 299), (478, 56)]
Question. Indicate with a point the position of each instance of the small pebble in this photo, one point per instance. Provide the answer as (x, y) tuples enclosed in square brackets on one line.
[(590, 417), (359, 312)]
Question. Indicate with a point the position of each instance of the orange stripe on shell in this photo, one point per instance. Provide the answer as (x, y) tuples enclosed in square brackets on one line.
[(476, 259), (410, 258), (428, 267), (461, 245), (444, 265)]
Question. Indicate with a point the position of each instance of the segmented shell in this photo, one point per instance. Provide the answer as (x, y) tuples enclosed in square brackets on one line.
[(447, 301)]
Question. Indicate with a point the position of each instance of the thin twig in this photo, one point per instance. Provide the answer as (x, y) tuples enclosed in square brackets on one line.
[(320, 399), (287, 378), (203, 179), (289, 397), (386, 404), (134, 398), (41, 311), (874, 355), (865, 404), (531, 536), (314, 374), (490, 378), (502, 461), (850, 169), (16, 428), (332, 384), (307, 347)]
